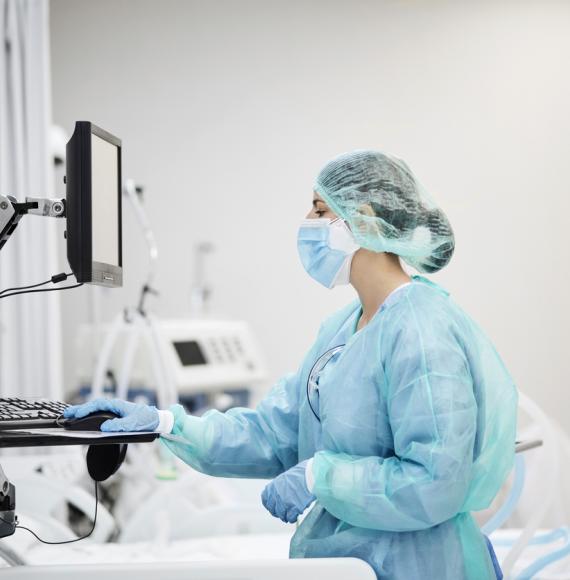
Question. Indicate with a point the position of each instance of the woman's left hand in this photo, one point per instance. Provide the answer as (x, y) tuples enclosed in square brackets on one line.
[(288, 496)]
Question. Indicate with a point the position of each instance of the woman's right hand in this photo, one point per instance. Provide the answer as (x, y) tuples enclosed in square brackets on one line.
[(131, 416)]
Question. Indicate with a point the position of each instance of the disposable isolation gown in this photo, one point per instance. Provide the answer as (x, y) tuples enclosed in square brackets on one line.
[(417, 429)]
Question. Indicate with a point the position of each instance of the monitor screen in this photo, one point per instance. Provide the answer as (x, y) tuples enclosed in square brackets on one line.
[(104, 208), (190, 353)]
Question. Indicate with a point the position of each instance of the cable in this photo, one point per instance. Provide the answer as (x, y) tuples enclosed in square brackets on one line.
[(54, 280), (42, 290), (17, 526)]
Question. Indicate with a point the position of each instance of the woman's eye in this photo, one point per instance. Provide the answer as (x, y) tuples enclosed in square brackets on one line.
[(320, 212)]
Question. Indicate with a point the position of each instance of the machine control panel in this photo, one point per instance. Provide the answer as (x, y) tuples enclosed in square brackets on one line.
[(203, 356)]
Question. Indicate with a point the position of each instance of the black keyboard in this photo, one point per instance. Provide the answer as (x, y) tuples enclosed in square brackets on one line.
[(18, 413)]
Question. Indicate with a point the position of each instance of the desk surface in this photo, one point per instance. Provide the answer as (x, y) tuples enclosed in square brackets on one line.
[(24, 439), (301, 569)]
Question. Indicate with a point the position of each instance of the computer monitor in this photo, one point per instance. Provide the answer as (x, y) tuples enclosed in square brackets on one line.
[(93, 206)]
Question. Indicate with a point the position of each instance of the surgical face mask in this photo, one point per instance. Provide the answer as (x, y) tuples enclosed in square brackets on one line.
[(326, 249)]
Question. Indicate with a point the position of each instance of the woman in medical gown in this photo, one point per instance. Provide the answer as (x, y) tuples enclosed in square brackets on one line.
[(399, 422)]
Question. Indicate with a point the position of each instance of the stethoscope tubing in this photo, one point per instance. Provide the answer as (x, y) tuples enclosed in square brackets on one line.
[(326, 356)]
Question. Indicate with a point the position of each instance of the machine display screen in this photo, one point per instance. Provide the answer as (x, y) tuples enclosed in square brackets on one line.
[(189, 353)]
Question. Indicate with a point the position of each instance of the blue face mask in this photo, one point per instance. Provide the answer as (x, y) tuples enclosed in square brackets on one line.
[(326, 249)]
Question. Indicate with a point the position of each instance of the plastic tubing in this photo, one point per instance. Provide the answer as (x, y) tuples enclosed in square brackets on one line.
[(131, 346), (105, 355), (540, 563), (166, 394), (540, 539), (549, 469), (508, 506)]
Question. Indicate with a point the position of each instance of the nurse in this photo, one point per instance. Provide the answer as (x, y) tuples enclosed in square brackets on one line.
[(400, 420)]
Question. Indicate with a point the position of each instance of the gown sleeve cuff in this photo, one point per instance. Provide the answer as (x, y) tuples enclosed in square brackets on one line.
[(165, 421), (333, 474), (309, 475), (180, 415), (189, 427)]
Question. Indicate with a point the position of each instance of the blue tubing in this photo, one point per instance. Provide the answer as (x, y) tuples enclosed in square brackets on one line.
[(546, 538), (529, 572)]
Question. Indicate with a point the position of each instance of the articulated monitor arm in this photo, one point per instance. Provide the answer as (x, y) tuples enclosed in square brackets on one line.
[(11, 212)]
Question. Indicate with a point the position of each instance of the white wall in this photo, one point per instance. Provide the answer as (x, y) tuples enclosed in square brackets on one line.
[(227, 109)]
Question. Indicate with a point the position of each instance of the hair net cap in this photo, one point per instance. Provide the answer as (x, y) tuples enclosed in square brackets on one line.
[(387, 209)]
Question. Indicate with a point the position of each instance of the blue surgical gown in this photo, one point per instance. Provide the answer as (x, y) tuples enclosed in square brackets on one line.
[(414, 430)]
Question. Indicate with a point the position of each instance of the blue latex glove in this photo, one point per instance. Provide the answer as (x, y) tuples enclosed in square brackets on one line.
[(288, 496), (134, 417)]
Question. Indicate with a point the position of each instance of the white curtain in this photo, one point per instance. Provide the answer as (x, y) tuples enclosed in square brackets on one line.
[(30, 325)]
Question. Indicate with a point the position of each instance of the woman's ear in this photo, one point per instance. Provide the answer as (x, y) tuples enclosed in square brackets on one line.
[(361, 222), (366, 209)]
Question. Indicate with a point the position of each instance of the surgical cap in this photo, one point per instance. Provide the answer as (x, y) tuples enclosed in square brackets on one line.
[(386, 208)]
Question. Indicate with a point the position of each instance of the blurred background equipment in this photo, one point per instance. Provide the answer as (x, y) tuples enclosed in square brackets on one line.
[(227, 109)]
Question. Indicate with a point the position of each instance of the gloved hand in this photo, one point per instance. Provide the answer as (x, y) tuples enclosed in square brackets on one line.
[(288, 496), (134, 417)]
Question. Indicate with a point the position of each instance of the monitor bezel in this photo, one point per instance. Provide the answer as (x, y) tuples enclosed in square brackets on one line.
[(79, 208)]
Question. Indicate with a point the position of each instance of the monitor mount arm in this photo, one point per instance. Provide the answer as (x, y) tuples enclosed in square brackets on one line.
[(12, 211), (7, 506)]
